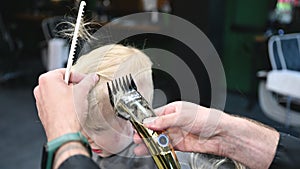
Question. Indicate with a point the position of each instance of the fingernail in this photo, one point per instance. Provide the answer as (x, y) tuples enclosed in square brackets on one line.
[(149, 120), (96, 78)]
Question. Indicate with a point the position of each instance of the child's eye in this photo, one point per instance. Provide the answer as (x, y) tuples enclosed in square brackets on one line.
[(101, 129), (98, 129)]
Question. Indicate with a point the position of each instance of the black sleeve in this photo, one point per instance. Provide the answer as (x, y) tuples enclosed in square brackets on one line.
[(79, 162), (287, 154)]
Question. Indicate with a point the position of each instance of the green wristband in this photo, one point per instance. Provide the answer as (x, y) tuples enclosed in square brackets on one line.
[(51, 147)]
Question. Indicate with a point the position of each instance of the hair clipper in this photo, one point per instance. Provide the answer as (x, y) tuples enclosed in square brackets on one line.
[(129, 104)]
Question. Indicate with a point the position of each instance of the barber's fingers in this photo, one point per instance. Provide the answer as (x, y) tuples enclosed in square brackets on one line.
[(36, 93), (141, 150), (86, 84), (76, 77), (137, 139), (167, 109), (164, 122), (37, 96), (60, 73)]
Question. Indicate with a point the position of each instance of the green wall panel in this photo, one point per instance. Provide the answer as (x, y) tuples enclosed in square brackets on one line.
[(249, 16)]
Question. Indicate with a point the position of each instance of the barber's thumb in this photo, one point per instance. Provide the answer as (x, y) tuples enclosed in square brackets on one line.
[(88, 82)]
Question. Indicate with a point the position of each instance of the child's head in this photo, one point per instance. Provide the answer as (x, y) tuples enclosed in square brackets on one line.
[(109, 134)]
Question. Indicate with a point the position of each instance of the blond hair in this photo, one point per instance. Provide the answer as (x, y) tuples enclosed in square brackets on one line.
[(111, 62)]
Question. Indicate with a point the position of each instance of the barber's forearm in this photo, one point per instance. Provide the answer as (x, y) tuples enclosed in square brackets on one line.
[(248, 142), (67, 150)]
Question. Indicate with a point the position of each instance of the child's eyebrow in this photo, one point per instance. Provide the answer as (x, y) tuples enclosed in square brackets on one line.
[(100, 128)]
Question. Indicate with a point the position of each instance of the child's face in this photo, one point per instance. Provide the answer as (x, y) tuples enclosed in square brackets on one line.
[(112, 139)]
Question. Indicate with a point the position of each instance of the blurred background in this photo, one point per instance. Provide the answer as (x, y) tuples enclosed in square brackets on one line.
[(240, 30)]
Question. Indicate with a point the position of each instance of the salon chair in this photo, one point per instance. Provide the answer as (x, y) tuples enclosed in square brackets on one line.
[(279, 93)]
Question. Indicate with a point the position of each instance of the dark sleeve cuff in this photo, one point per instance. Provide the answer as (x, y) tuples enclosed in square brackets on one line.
[(287, 154), (79, 162)]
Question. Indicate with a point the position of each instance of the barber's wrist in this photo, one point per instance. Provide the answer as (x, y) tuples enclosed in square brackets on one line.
[(60, 131), (62, 143), (249, 142), (229, 130), (68, 150), (56, 134), (223, 132)]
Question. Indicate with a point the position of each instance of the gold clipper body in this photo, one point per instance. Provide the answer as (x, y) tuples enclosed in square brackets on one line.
[(129, 104)]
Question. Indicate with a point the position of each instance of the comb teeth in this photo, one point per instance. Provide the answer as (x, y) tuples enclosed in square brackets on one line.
[(132, 84), (126, 87), (121, 85), (110, 95), (74, 40)]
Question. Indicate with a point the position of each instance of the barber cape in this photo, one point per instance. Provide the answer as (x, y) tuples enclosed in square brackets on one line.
[(128, 160)]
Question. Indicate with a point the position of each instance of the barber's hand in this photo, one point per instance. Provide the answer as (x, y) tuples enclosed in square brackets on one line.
[(58, 102), (191, 127)]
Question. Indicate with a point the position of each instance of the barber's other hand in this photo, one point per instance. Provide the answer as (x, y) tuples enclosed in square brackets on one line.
[(191, 127), (58, 102)]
